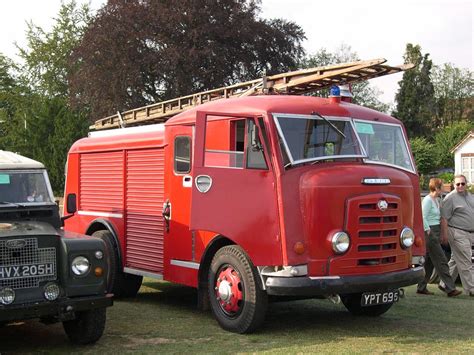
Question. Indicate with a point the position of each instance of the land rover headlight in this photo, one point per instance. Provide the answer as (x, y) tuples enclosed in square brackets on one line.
[(51, 291), (340, 242), (7, 295), (80, 265), (407, 237)]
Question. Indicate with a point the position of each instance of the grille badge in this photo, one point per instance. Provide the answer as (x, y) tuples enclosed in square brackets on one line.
[(382, 205), (15, 243)]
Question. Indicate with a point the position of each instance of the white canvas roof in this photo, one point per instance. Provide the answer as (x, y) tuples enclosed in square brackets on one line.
[(9, 160)]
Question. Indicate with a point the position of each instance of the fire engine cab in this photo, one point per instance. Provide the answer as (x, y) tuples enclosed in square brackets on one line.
[(257, 196)]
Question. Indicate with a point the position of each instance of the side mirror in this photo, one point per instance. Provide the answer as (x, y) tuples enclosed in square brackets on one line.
[(71, 203)]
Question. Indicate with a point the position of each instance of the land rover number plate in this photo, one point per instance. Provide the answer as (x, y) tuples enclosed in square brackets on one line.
[(375, 298), (24, 271)]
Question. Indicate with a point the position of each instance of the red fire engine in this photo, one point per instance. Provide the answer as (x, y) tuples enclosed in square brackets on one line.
[(253, 196)]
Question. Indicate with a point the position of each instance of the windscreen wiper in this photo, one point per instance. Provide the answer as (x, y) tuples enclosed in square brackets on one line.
[(329, 123)]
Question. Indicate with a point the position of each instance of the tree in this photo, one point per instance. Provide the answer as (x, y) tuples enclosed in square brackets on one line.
[(454, 94), (446, 139), (139, 52), (46, 57), (39, 122), (415, 104), (424, 154), (7, 86), (363, 93)]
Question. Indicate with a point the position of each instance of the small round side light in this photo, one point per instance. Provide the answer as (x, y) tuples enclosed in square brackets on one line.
[(299, 248)]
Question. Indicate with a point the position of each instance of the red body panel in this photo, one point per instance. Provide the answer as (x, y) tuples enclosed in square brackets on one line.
[(265, 211)]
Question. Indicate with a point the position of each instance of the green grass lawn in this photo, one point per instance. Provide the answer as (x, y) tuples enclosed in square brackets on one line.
[(163, 318)]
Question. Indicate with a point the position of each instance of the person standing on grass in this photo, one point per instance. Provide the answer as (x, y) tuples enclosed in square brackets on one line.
[(435, 257), (457, 226)]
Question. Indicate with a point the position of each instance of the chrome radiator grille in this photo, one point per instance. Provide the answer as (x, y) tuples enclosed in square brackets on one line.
[(27, 265)]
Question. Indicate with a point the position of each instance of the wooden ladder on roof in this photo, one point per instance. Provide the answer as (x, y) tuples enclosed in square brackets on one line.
[(291, 83)]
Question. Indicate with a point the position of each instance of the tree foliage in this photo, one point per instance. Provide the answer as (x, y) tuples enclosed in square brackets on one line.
[(44, 128), (7, 87), (37, 120), (447, 138), (139, 52), (46, 56), (415, 104), (363, 93), (454, 94), (424, 153)]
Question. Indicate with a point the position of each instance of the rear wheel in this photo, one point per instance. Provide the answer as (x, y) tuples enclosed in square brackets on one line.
[(118, 282), (237, 301), (88, 326), (352, 303)]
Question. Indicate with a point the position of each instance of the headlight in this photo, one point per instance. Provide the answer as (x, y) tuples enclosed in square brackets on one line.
[(340, 242), (7, 295), (407, 237), (80, 265), (51, 291)]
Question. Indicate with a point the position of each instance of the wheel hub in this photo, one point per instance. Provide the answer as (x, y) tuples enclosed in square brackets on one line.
[(225, 291), (229, 290)]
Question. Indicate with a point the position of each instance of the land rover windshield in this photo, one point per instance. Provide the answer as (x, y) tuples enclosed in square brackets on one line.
[(25, 187), (308, 138)]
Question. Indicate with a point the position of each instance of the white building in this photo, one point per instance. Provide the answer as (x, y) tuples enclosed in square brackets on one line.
[(464, 157)]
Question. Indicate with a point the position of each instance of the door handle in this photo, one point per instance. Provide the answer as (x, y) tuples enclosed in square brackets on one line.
[(167, 214)]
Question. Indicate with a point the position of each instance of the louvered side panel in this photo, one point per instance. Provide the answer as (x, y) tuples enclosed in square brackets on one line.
[(144, 202), (101, 182)]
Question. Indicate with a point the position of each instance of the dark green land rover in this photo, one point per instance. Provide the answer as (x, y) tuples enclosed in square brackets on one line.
[(46, 272)]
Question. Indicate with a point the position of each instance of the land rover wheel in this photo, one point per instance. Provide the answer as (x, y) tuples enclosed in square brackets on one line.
[(237, 300), (87, 327), (118, 283), (353, 304)]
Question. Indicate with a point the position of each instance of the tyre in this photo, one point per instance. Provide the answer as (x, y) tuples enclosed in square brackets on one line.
[(237, 300), (88, 326), (118, 283), (352, 303)]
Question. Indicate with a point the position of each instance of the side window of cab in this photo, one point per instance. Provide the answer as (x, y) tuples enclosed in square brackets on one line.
[(234, 144), (182, 155)]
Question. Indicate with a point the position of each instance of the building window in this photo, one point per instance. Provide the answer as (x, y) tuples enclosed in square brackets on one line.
[(467, 166)]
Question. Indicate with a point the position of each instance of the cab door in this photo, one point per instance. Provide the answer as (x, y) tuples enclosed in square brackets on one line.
[(234, 192), (177, 202)]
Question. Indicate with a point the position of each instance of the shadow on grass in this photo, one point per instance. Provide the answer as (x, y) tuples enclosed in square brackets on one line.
[(163, 317), (414, 320)]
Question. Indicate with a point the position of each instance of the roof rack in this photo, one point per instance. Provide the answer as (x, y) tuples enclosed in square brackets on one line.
[(291, 83)]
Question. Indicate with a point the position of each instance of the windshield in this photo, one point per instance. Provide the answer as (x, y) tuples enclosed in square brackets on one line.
[(25, 187), (312, 138), (384, 143)]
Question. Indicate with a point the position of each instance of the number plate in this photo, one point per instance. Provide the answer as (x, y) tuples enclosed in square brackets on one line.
[(375, 298), (24, 271)]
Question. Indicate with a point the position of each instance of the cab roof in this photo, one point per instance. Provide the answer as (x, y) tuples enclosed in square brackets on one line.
[(153, 135), (10, 160), (297, 104)]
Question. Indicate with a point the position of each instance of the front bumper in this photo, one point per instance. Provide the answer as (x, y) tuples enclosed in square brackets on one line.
[(321, 286), (62, 309)]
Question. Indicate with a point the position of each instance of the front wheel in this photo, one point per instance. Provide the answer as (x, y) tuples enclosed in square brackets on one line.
[(353, 304), (87, 327), (237, 300)]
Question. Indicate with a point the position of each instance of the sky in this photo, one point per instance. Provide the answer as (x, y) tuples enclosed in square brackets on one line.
[(372, 28)]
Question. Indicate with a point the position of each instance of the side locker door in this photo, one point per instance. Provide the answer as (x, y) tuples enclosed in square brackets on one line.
[(233, 193)]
